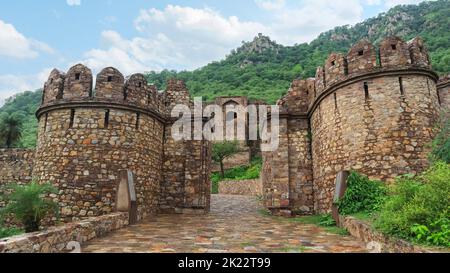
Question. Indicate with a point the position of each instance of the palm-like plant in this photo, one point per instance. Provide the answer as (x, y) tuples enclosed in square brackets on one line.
[(10, 129), (28, 205)]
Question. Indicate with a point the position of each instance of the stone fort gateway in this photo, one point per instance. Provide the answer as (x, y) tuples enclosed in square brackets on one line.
[(109, 148)]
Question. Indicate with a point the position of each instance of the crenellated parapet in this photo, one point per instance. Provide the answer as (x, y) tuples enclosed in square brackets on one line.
[(363, 62), (419, 53), (336, 68), (138, 91), (110, 85), (362, 57), (111, 89), (54, 87), (394, 53), (176, 93), (77, 83), (296, 101)]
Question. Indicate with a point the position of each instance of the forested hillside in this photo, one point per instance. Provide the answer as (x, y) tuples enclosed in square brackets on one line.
[(23, 107), (262, 69), (266, 75)]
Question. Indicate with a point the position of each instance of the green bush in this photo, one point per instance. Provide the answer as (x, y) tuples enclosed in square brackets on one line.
[(8, 232), (327, 220), (418, 207), (27, 205), (362, 195)]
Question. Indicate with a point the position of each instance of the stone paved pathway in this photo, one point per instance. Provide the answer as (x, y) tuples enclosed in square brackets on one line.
[(235, 224)]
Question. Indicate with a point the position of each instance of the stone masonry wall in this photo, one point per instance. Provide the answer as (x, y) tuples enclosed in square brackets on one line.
[(186, 185), (251, 187), (88, 136), (83, 160), (275, 177), (59, 239), (444, 93), (300, 167), (381, 136), (368, 112), (16, 166), (287, 172)]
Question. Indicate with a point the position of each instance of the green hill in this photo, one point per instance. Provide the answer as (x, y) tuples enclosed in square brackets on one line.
[(262, 69), (266, 75)]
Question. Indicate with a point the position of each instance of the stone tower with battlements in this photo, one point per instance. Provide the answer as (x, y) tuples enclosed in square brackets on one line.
[(88, 135), (372, 110)]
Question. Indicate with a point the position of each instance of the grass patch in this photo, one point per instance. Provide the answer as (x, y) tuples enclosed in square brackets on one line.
[(251, 171), (364, 216), (8, 232), (265, 212), (248, 244), (324, 221), (299, 249), (337, 230)]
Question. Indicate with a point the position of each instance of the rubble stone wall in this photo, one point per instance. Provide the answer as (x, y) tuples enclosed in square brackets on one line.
[(16, 166), (61, 239), (252, 187), (363, 112), (382, 136), (84, 159), (88, 136), (444, 93), (186, 185)]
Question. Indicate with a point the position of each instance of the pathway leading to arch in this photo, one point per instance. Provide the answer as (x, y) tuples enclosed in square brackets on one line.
[(235, 224)]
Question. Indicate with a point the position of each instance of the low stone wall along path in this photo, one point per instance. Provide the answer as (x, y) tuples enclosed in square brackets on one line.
[(235, 224)]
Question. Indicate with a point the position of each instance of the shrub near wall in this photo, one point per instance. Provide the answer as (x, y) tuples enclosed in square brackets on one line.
[(362, 195), (418, 208), (414, 208)]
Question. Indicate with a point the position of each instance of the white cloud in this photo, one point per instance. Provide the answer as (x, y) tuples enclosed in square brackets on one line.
[(15, 45), (11, 84), (200, 25), (73, 2), (179, 37), (302, 22), (271, 4), (392, 3), (175, 37)]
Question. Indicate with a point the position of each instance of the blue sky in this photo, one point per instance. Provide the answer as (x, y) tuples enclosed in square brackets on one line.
[(138, 35)]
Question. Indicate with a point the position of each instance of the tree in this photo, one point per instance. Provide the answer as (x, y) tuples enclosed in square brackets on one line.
[(10, 129), (26, 204), (223, 150)]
